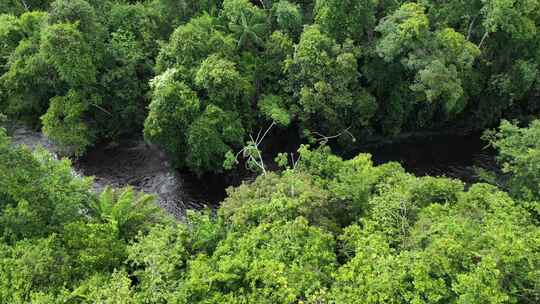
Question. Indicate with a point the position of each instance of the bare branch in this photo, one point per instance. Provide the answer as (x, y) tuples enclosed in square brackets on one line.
[(486, 35), (268, 130), (26, 8), (263, 4), (101, 108), (471, 26), (258, 135), (252, 151), (295, 162), (324, 139)]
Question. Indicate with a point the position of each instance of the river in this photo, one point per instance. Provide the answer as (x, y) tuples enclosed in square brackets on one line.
[(450, 155), (137, 164), (146, 168)]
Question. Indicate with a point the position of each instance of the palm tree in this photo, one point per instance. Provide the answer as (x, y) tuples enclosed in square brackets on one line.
[(127, 210), (248, 31)]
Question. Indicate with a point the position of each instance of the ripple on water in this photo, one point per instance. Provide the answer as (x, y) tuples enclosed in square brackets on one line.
[(132, 163)]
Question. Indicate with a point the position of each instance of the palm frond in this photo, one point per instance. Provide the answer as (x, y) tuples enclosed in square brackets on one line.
[(235, 28), (242, 40), (126, 209), (106, 201), (259, 28), (122, 208)]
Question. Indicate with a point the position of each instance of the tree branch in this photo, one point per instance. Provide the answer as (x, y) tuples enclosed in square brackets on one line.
[(102, 109), (469, 33), (252, 152), (486, 35), (324, 139), (25, 5)]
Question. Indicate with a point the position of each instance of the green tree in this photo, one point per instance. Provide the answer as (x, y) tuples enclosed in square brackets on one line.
[(323, 79), (10, 35), (353, 19), (161, 257), (326, 230), (288, 17), (127, 70), (30, 267), (280, 262), (278, 48), (438, 62), (63, 47), (518, 153), (449, 256), (65, 123), (105, 288), (272, 198), (24, 66), (53, 242), (18, 7), (191, 43), (173, 13), (222, 82), (93, 248), (38, 194), (75, 11), (173, 109), (199, 56), (248, 31), (210, 137)]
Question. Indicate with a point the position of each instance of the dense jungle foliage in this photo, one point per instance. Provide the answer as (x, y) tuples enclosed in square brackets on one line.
[(198, 77), (324, 230), (207, 80)]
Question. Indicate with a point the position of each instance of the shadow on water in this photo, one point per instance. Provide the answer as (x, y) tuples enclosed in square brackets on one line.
[(434, 154), (454, 156)]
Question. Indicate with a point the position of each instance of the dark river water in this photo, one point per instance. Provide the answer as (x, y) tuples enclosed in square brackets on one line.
[(454, 156), (146, 168), (140, 165)]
